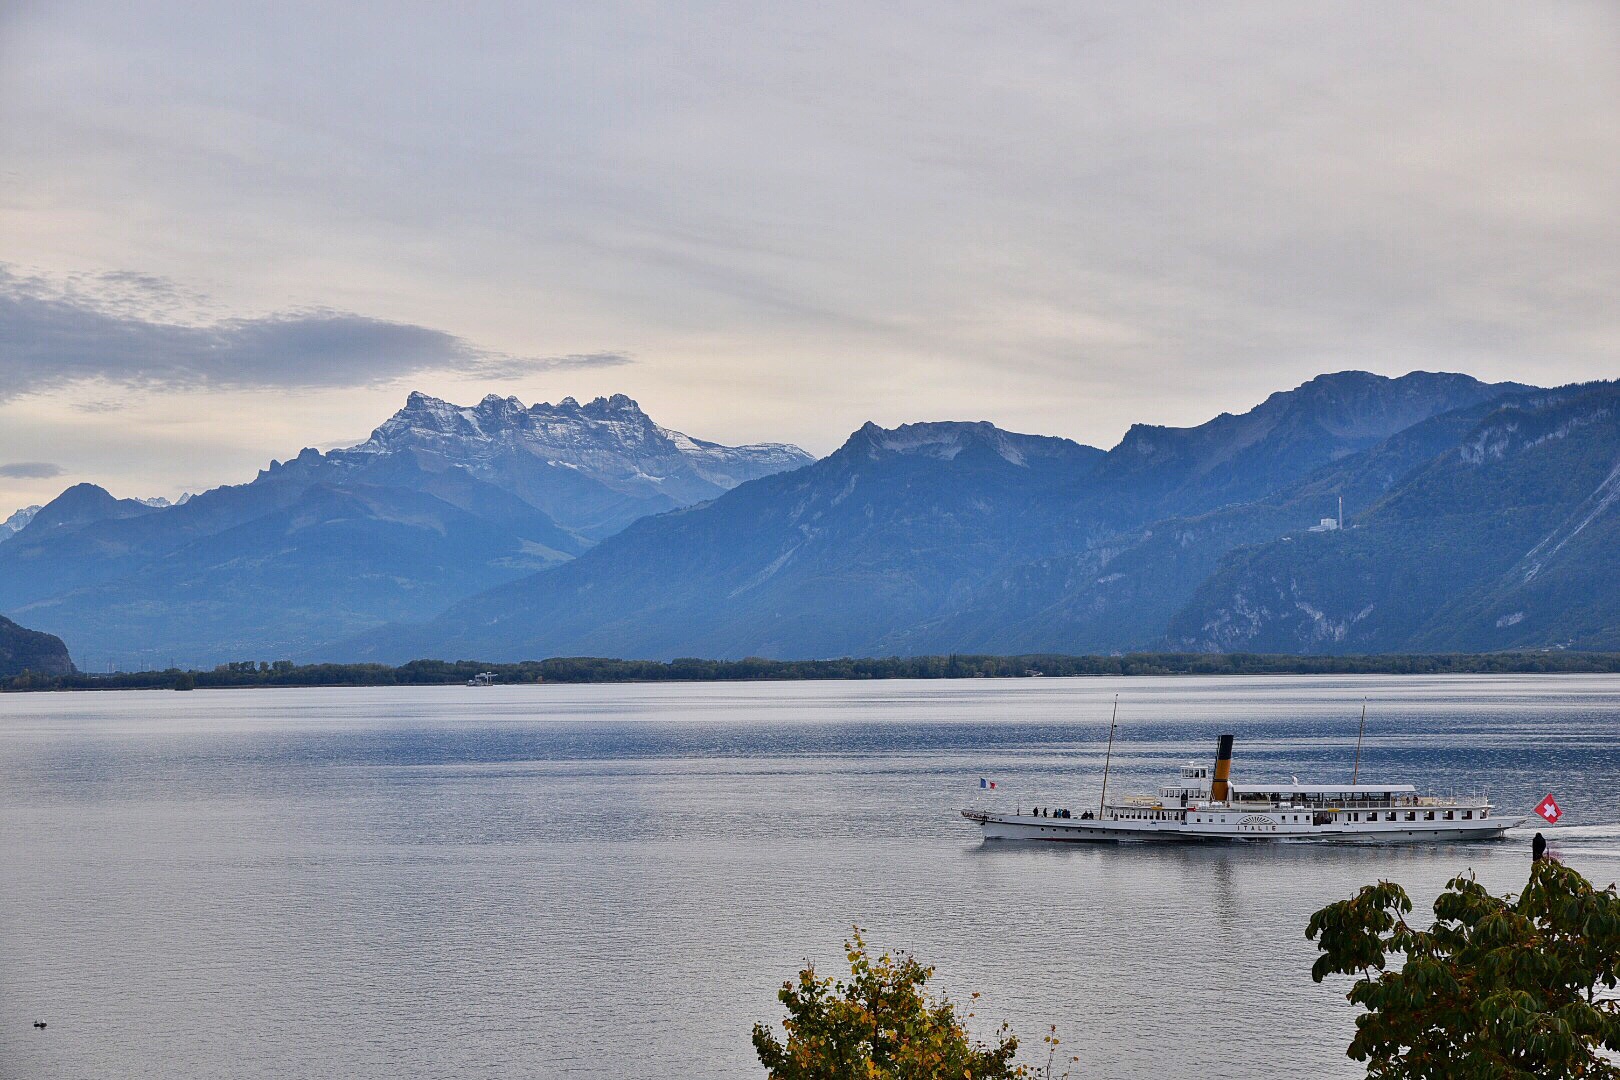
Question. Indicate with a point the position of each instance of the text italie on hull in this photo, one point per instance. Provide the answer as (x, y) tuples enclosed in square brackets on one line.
[(1205, 805)]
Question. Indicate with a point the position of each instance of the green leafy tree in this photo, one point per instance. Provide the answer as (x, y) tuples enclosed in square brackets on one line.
[(879, 1025), (1499, 988)]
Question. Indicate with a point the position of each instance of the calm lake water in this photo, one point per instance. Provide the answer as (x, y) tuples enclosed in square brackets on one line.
[(612, 881)]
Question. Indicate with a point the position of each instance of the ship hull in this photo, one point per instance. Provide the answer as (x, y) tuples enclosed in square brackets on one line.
[(1240, 828)]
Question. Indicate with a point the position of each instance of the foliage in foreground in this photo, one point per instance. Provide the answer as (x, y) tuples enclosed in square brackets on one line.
[(881, 1025), (1497, 988)]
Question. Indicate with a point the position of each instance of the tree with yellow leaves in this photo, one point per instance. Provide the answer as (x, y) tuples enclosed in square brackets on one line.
[(881, 1025)]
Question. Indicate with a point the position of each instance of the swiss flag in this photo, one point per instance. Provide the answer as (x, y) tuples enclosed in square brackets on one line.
[(1549, 810)]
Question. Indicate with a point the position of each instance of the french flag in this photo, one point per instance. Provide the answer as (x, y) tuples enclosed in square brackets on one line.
[(986, 783)]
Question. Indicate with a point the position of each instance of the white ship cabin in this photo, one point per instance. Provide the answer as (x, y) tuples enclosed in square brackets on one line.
[(1194, 787), (1354, 802), (1335, 796)]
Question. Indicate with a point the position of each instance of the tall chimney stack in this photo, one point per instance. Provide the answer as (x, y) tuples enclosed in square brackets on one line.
[(1219, 788)]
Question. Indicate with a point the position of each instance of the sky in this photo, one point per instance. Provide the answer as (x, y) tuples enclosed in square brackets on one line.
[(231, 231)]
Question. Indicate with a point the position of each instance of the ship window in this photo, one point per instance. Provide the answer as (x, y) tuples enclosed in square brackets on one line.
[(1428, 815), (1468, 815), (1451, 815), (1411, 815), (1389, 817)]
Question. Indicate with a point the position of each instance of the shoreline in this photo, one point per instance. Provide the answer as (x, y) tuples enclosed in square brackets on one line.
[(571, 670)]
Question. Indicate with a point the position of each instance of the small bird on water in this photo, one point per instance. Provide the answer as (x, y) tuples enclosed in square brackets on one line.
[(39, 1023)]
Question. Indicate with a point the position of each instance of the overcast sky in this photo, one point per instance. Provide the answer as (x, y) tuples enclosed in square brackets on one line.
[(234, 230)]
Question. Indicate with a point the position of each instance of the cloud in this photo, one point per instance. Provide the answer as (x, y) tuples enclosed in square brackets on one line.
[(514, 367), (1065, 217), (30, 470), (64, 331)]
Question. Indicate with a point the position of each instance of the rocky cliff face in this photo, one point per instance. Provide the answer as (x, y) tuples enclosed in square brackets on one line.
[(16, 522), (594, 467)]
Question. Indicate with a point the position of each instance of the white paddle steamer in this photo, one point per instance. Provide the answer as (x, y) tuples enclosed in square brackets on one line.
[(1206, 806)]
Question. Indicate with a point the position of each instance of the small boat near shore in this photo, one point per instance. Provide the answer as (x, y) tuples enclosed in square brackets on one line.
[(1207, 805)]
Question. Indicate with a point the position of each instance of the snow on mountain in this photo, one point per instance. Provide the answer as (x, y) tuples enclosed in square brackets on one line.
[(15, 523), (19, 520), (610, 441), (442, 502)]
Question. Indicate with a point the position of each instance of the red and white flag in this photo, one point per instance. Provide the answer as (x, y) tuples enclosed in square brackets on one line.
[(1549, 811)]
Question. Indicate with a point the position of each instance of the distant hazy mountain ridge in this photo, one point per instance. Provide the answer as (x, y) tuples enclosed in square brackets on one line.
[(1508, 539), (441, 502), (80, 505), (814, 561), (961, 537), (1477, 516)]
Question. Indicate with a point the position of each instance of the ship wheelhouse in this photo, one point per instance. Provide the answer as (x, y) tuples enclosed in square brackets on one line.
[(1193, 788)]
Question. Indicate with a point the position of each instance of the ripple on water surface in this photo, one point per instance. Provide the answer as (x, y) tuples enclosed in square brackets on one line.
[(611, 881)]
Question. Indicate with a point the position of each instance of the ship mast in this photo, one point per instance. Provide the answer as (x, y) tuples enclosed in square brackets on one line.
[(1355, 772), (1113, 722)]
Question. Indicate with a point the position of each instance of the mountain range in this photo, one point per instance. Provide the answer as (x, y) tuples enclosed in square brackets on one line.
[(1509, 538), (441, 502), (942, 537), (1476, 516), (14, 524)]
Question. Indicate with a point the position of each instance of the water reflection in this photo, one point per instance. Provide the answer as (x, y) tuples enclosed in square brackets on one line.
[(612, 881)]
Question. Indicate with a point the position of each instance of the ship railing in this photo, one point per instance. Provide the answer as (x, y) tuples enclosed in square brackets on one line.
[(1401, 802)]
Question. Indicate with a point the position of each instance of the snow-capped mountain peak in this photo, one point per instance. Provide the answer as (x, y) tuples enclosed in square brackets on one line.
[(608, 440), (16, 522)]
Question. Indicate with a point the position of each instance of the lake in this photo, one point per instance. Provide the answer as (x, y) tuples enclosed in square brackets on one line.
[(612, 881)]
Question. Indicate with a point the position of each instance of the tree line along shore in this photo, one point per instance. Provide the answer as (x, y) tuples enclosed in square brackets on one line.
[(603, 670)]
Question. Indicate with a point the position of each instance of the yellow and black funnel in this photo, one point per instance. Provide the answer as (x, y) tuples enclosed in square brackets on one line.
[(1219, 788)]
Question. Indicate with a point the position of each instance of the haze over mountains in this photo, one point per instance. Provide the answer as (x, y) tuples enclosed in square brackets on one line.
[(1509, 539), (13, 525), (441, 502), (946, 537), (1478, 516)]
